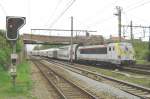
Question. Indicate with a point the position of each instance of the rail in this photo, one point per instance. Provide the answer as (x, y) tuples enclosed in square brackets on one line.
[(131, 88), (61, 90)]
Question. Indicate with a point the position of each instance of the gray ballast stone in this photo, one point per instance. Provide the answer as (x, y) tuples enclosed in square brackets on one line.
[(91, 85), (99, 87)]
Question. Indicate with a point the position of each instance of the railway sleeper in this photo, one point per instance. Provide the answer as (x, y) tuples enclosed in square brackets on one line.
[(141, 93), (147, 96), (130, 89), (98, 78)]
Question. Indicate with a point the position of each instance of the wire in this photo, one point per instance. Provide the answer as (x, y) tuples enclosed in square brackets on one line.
[(133, 4), (100, 22), (62, 13), (138, 6), (53, 13), (81, 23), (108, 6), (143, 20), (29, 11), (103, 10), (3, 9)]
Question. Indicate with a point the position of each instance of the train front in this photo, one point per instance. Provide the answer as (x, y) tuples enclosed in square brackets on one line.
[(125, 53)]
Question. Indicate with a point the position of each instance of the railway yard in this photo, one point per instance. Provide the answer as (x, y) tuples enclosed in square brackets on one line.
[(74, 49), (85, 72), (92, 83)]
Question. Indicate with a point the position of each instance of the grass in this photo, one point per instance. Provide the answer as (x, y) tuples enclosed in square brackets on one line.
[(23, 83), (142, 62)]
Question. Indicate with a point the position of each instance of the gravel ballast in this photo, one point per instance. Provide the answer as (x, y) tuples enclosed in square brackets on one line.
[(101, 90)]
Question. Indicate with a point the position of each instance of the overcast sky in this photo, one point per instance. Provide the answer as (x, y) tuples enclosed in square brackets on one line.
[(88, 14)]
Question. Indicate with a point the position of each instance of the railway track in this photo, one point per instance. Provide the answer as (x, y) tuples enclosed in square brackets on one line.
[(141, 69), (65, 89), (131, 88), (141, 66), (135, 69)]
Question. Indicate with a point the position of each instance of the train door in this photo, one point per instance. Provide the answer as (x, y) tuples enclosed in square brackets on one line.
[(111, 52), (54, 54)]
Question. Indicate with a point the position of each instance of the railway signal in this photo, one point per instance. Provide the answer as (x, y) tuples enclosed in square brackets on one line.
[(13, 24)]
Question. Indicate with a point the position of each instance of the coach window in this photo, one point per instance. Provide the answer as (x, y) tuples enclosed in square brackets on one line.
[(109, 48)]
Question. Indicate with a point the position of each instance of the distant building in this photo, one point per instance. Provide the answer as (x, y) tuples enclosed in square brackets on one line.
[(115, 39), (91, 39)]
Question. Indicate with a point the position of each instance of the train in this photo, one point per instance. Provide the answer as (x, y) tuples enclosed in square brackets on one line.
[(113, 53)]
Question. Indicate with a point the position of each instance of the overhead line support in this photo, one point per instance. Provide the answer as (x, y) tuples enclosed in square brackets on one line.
[(65, 30)]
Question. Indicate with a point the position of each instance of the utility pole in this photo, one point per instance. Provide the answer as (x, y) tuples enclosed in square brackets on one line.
[(149, 38), (131, 32), (76, 35), (119, 9), (71, 50), (14, 58), (149, 45)]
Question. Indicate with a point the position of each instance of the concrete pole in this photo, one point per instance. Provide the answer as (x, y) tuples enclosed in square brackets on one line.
[(149, 45), (119, 21), (131, 32), (71, 50)]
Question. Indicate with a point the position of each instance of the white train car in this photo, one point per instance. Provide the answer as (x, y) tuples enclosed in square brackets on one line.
[(64, 53), (52, 53), (42, 53), (114, 53), (34, 52), (92, 53)]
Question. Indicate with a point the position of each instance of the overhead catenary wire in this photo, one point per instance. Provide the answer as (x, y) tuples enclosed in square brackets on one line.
[(134, 4), (142, 4), (29, 12), (62, 13), (3, 9), (54, 11), (135, 18), (137, 4), (101, 21), (131, 8), (107, 6), (103, 10)]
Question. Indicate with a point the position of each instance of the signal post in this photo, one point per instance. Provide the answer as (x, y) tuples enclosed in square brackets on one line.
[(13, 25)]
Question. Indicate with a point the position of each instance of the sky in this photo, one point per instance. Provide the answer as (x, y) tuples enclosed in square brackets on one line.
[(97, 15)]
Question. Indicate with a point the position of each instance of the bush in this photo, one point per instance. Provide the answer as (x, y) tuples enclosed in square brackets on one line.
[(141, 50), (147, 54)]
